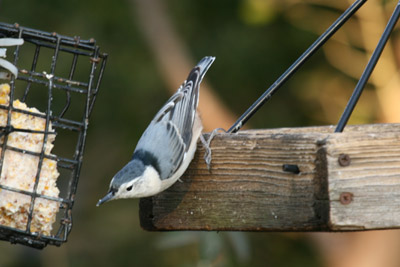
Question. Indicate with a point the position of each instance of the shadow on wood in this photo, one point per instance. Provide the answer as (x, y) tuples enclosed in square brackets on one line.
[(347, 181)]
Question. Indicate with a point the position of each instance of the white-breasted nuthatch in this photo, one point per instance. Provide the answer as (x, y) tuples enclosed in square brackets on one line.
[(166, 147)]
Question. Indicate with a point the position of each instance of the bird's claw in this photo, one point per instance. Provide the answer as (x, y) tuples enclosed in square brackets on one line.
[(206, 145)]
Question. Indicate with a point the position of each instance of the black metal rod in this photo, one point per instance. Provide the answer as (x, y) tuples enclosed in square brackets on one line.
[(67, 93), (34, 63), (368, 70), (295, 66), (45, 136)]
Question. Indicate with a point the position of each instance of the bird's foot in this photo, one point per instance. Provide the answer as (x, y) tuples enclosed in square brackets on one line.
[(206, 145)]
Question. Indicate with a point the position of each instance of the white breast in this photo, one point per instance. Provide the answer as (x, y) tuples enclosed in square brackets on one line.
[(149, 184)]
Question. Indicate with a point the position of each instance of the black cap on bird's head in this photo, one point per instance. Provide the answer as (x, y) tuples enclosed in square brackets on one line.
[(123, 181)]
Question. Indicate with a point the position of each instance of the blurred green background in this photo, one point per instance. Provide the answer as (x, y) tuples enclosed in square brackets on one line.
[(254, 42)]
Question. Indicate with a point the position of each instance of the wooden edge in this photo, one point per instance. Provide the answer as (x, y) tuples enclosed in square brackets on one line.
[(247, 190)]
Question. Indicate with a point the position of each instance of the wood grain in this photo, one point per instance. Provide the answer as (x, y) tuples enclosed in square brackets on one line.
[(247, 188)]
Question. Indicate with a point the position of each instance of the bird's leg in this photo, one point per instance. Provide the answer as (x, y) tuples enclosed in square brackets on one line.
[(206, 145), (208, 150)]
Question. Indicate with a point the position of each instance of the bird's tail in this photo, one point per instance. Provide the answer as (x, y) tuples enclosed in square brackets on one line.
[(204, 65), (196, 76)]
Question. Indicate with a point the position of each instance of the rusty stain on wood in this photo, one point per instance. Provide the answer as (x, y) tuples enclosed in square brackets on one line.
[(248, 190)]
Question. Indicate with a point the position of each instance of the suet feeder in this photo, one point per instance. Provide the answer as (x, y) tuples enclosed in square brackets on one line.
[(44, 116)]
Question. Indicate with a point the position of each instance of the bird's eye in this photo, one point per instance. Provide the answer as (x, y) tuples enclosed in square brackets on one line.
[(129, 188)]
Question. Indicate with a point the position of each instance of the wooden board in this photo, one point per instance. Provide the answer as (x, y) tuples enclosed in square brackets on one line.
[(248, 190)]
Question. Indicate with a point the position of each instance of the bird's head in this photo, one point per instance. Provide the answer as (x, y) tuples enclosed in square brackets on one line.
[(134, 180)]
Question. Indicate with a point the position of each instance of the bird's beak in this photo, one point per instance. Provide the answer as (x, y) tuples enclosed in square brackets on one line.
[(108, 197)]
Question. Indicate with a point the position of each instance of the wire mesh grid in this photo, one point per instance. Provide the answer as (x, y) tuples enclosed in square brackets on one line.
[(60, 76)]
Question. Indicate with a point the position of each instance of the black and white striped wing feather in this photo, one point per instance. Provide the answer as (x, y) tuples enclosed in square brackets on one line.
[(166, 140)]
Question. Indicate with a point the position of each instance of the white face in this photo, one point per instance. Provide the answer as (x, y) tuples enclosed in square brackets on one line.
[(146, 185), (128, 189)]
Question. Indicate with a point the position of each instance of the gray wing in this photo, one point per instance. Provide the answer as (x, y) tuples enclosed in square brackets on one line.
[(167, 138)]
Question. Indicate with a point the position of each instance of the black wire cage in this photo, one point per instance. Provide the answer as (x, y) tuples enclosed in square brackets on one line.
[(56, 86)]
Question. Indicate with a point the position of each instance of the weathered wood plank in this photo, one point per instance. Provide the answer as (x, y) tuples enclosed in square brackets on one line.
[(247, 188), (372, 180)]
